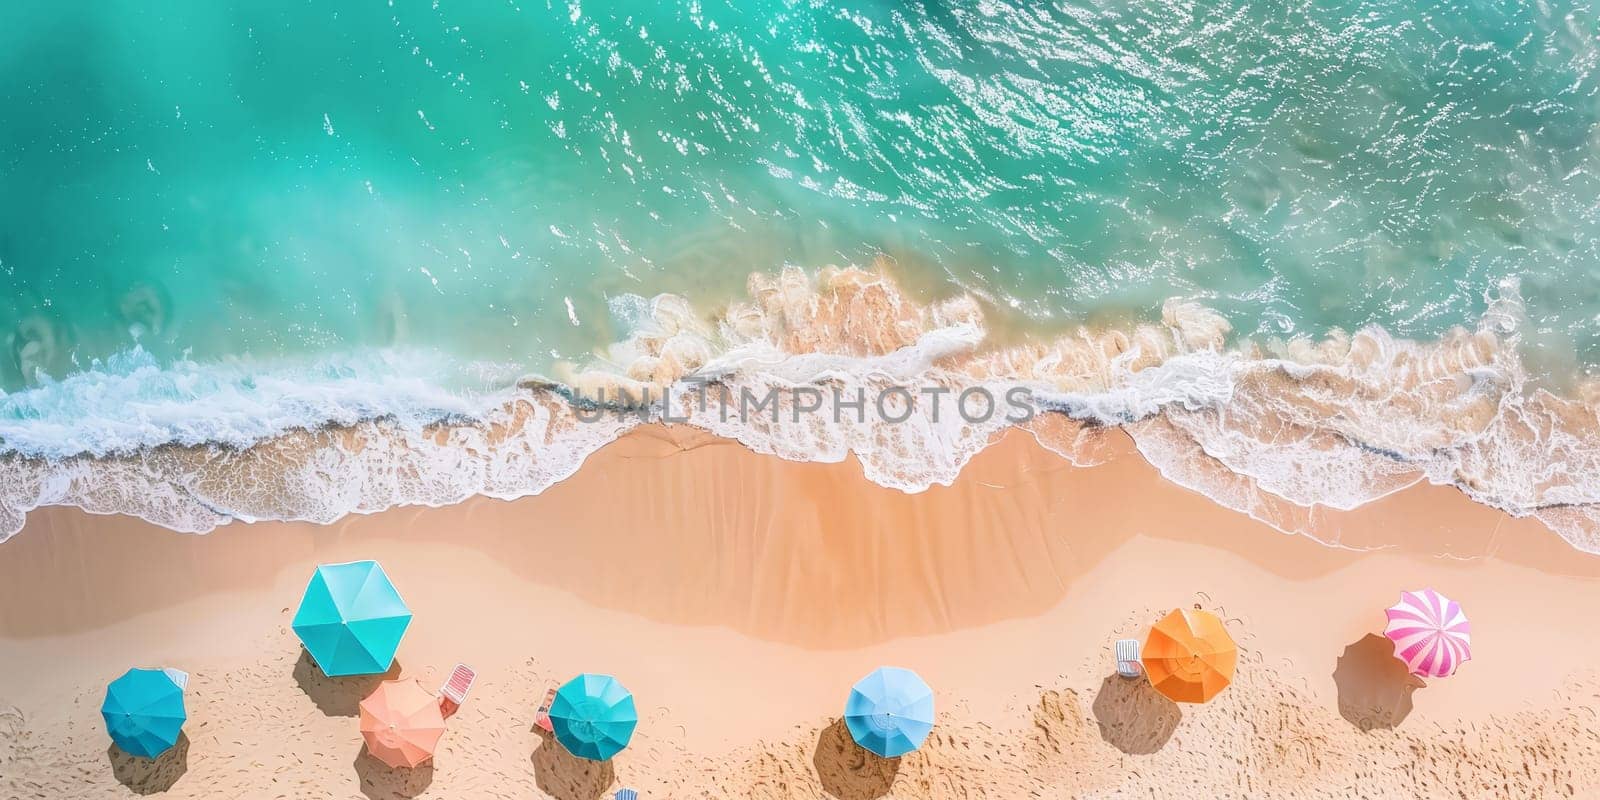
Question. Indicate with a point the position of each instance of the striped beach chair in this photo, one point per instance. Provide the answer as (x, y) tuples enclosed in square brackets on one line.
[(625, 794), (1128, 665), (459, 684), (541, 717)]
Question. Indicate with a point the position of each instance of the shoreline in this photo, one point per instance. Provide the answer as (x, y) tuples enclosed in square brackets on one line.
[(1280, 430), (738, 595)]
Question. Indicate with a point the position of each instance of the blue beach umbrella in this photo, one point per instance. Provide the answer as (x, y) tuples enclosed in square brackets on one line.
[(144, 712), (351, 619), (890, 711), (593, 716)]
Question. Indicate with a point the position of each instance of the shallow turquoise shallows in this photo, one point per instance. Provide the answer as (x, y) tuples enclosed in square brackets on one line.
[(351, 619), (593, 716), (890, 712), (213, 179), (144, 712)]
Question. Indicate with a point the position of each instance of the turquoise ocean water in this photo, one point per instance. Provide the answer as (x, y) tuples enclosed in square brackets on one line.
[(206, 200)]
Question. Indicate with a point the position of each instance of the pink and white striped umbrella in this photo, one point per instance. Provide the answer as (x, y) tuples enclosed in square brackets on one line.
[(1430, 633)]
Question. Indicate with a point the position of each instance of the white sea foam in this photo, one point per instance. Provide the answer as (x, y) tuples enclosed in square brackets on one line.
[(131, 403), (515, 450), (1281, 431)]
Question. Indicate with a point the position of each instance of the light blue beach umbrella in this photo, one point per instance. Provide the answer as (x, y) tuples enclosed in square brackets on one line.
[(351, 619), (144, 712), (890, 712), (593, 716)]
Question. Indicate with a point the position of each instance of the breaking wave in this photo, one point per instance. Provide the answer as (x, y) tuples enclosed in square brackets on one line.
[(1276, 430)]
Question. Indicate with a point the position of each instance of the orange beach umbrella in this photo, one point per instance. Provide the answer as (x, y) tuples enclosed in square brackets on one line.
[(1189, 656), (402, 723)]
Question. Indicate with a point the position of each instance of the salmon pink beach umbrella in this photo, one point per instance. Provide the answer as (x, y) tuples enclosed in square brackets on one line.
[(1189, 656), (402, 723), (1430, 633)]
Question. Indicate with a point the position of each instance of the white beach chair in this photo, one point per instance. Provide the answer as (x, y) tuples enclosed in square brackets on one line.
[(178, 677), (1128, 665), (542, 716), (459, 683)]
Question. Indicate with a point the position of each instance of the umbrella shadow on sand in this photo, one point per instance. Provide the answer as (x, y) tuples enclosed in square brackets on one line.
[(1133, 716), (337, 697), (849, 771), (380, 781), (564, 776), (1374, 687), (150, 775)]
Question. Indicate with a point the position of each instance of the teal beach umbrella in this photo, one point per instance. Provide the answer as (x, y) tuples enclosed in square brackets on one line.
[(890, 712), (351, 619), (593, 716), (144, 712)]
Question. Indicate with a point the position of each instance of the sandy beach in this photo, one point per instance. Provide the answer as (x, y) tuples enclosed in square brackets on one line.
[(739, 595), (821, 394)]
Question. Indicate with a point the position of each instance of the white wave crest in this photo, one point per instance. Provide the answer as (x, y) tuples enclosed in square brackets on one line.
[(1281, 431)]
